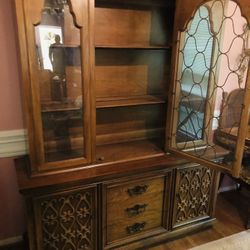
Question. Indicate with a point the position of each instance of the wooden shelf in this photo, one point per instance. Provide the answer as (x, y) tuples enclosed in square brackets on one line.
[(60, 156), (107, 102), (133, 46), (70, 46), (65, 46), (110, 102), (138, 3), (128, 151), (115, 152), (59, 107)]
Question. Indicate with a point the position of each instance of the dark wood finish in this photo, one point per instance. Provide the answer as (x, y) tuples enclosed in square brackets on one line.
[(150, 3), (151, 188), (228, 222), (133, 191), (65, 218), (98, 171), (148, 196), (133, 46), (119, 188), (161, 236), (109, 102), (29, 15), (92, 78), (23, 50), (193, 198), (127, 197)]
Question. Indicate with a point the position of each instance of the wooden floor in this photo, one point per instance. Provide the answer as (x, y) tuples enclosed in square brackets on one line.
[(229, 221)]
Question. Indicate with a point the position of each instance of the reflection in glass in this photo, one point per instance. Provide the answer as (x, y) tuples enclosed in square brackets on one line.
[(211, 81), (60, 82), (57, 56)]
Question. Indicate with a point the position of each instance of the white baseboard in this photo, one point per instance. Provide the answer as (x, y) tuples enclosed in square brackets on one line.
[(10, 241), (13, 143)]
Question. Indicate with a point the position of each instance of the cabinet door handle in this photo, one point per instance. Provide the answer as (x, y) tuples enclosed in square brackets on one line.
[(136, 209), (137, 190), (136, 228)]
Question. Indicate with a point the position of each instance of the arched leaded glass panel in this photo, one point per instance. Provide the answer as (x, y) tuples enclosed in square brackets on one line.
[(210, 82), (193, 80)]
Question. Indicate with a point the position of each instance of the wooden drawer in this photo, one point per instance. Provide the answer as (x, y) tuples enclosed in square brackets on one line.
[(130, 210), (121, 223), (134, 191), (134, 207)]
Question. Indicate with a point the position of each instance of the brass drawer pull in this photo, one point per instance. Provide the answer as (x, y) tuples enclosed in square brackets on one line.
[(136, 228), (137, 190), (136, 209)]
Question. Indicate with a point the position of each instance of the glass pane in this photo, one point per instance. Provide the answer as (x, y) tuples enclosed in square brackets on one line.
[(194, 77), (211, 81), (60, 82)]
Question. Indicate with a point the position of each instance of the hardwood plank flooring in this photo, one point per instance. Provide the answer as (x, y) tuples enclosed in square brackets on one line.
[(229, 221)]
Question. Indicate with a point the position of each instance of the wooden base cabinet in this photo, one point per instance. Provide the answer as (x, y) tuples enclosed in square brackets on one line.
[(63, 220), (194, 195), (135, 208), (126, 212)]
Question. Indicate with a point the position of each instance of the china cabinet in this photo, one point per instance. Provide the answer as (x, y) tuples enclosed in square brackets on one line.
[(127, 105)]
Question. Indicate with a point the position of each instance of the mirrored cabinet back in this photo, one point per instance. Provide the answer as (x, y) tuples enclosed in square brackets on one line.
[(132, 108)]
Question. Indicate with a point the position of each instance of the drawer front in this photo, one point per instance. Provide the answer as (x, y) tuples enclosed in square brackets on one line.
[(123, 220), (66, 220), (134, 207), (125, 230), (134, 190), (130, 210), (193, 195)]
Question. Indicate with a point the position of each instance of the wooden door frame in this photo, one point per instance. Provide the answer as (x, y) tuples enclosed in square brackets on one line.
[(29, 15), (182, 18)]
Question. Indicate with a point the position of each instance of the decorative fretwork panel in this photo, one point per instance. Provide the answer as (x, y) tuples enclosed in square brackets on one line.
[(66, 220), (193, 194)]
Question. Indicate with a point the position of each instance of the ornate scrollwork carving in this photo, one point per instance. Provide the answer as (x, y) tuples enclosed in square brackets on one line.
[(193, 194), (66, 221)]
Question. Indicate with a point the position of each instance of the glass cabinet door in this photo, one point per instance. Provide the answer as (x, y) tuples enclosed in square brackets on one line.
[(210, 96), (57, 48)]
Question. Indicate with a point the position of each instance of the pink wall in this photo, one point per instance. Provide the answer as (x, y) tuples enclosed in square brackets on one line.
[(9, 76), (233, 48), (11, 202)]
